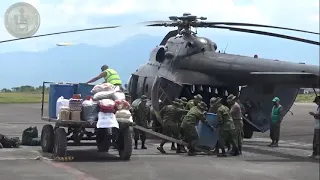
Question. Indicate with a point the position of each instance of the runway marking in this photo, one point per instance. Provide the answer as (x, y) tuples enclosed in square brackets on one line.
[(15, 158), (79, 174), (45, 122)]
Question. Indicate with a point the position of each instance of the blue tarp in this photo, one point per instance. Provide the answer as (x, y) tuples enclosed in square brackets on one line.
[(207, 137)]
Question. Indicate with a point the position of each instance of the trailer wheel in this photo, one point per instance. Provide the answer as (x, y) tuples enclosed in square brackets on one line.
[(60, 143), (125, 143), (47, 138)]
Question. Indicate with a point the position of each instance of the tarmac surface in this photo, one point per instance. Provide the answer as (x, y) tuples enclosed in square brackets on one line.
[(287, 162)]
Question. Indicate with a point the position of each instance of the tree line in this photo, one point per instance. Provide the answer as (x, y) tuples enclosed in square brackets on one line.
[(25, 88)]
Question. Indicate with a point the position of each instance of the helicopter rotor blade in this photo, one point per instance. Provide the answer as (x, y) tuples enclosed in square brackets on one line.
[(267, 34), (255, 25), (63, 32)]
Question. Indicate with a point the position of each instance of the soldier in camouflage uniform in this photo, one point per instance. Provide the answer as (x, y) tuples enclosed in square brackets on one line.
[(188, 124), (182, 114), (170, 115), (184, 101), (141, 117), (236, 114), (227, 128), (193, 102)]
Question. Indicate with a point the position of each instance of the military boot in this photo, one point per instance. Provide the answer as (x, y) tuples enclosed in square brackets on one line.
[(173, 148), (135, 144), (222, 154), (271, 144), (160, 148), (275, 144), (183, 149), (143, 145), (192, 152), (234, 152)]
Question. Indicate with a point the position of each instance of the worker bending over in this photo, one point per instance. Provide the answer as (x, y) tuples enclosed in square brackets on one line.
[(110, 76)]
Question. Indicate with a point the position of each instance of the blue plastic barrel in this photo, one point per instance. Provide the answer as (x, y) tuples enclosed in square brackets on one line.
[(207, 137), (56, 91), (84, 90)]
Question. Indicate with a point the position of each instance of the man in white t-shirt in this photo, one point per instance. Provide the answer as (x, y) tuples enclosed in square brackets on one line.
[(316, 137)]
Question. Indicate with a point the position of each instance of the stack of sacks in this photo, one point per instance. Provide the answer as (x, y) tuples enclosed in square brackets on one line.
[(122, 110), (75, 105), (62, 109), (111, 102)]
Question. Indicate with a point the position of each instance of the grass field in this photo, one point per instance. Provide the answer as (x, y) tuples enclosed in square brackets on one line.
[(36, 98), (22, 98)]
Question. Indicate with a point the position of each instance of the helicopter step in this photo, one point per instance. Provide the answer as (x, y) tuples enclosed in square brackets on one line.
[(161, 136)]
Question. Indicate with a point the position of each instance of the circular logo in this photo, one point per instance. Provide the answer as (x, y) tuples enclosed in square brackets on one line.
[(22, 20)]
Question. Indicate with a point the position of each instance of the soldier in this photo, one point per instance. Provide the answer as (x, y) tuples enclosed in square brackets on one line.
[(170, 115), (141, 117), (193, 102), (189, 122), (276, 118), (236, 114), (184, 101), (227, 128), (316, 136)]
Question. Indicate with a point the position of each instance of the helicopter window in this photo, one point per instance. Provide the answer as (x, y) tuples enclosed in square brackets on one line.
[(160, 55)]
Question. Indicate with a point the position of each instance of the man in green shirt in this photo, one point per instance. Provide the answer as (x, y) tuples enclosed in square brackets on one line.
[(276, 118), (110, 76)]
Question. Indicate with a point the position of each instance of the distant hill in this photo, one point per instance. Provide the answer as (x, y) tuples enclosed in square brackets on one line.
[(79, 63)]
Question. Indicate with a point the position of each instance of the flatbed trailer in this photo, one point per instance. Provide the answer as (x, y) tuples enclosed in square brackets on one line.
[(54, 138)]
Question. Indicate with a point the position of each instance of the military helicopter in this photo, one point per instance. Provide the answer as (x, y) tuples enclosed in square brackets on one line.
[(185, 64)]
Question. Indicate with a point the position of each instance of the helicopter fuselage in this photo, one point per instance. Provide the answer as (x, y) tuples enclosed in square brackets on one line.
[(188, 65)]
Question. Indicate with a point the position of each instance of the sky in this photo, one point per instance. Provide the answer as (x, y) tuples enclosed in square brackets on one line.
[(61, 15)]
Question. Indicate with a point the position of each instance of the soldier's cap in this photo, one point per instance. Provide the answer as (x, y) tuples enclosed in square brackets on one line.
[(215, 100), (317, 98), (184, 99), (198, 97), (276, 99), (231, 97), (144, 97), (175, 103), (202, 105)]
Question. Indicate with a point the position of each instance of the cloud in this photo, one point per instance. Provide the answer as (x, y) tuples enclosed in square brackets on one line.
[(73, 14)]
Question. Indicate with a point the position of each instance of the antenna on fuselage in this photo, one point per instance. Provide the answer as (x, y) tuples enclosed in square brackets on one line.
[(225, 49)]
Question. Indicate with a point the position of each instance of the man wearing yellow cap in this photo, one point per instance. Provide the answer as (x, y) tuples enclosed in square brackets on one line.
[(276, 118)]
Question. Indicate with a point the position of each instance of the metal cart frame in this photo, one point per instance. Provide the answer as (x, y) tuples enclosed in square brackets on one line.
[(54, 138)]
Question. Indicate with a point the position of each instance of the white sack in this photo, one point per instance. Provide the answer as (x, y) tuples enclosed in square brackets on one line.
[(107, 120), (61, 102)]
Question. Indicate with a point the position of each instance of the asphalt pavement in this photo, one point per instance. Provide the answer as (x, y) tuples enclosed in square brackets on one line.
[(288, 161)]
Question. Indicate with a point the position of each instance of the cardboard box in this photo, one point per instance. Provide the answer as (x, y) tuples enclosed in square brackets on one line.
[(75, 115)]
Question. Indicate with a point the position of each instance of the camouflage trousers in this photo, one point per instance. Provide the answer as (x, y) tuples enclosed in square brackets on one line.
[(316, 142), (275, 131), (239, 132), (190, 136), (139, 135), (171, 129), (227, 136)]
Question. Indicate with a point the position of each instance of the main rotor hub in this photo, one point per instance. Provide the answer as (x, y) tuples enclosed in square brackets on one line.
[(185, 22)]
